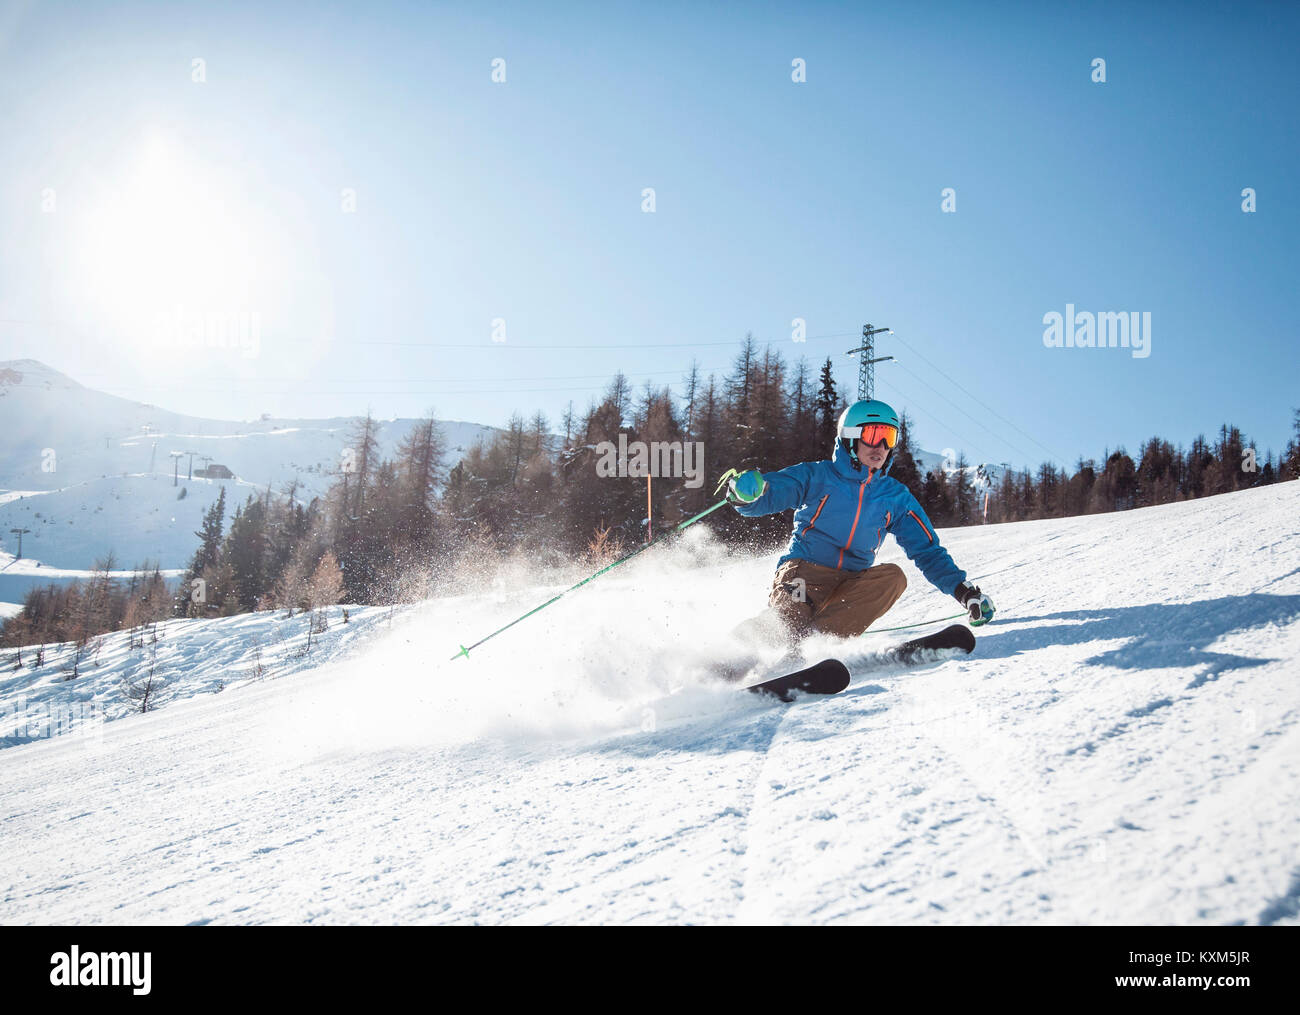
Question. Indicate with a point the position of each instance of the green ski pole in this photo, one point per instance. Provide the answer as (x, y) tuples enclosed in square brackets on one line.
[(464, 650), (904, 627)]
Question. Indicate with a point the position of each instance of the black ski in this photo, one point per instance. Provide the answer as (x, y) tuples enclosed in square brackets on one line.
[(934, 646), (830, 676)]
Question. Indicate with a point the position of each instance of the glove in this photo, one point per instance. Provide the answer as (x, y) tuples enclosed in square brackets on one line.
[(977, 604), (746, 487)]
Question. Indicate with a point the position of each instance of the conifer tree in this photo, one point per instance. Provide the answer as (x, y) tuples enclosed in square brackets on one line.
[(802, 445), (1291, 459), (828, 407), (245, 551), (205, 557), (904, 468), (963, 494), (420, 456)]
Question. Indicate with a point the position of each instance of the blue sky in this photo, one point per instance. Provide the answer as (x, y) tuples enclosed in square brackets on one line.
[(522, 201)]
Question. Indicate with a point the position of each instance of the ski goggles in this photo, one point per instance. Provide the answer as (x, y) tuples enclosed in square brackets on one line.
[(872, 433)]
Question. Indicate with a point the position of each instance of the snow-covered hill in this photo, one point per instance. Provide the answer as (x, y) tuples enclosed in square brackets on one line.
[(1123, 747), (88, 473)]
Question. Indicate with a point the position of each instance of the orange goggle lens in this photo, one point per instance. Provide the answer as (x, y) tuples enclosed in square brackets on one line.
[(873, 433)]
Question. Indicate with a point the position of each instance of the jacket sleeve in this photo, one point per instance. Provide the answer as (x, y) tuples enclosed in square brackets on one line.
[(917, 537), (786, 489)]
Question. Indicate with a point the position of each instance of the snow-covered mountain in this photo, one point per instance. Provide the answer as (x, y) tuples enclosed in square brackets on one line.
[(87, 472), (1122, 748), (977, 473)]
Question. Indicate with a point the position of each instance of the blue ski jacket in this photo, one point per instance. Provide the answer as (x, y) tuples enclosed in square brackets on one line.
[(841, 515)]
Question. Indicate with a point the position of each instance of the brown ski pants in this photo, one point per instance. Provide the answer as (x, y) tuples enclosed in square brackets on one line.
[(808, 597)]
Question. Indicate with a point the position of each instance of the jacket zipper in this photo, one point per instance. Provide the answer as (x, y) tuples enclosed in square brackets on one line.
[(862, 488)]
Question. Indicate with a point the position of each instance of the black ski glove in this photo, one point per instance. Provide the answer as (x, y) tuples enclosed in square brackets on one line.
[(977, 604)]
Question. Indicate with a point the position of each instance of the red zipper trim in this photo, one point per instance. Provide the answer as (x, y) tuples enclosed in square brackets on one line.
[(928, 534), (888, 515), (862, 488), (813, 520)]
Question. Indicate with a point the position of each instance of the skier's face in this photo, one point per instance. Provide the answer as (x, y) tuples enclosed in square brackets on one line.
[(872, 456)]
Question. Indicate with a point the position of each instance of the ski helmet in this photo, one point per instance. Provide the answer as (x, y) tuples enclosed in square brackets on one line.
[(859, 419)]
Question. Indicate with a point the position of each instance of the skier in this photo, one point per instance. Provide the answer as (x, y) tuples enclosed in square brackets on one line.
[(843, 507)]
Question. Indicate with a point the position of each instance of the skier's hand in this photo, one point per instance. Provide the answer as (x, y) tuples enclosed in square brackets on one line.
[(746, 487), (977, 604)]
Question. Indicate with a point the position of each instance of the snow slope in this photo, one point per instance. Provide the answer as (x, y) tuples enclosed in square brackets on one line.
[(1123, 747)]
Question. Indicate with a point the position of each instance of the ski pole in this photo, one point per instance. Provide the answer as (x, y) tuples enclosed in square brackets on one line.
[(464, 650), (919, 623), (936, 620), (904, 627)]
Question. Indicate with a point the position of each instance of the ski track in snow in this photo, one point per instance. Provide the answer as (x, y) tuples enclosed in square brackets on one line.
[(1121, 748)]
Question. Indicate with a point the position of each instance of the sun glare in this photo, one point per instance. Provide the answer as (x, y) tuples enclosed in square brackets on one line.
[(169, 258)]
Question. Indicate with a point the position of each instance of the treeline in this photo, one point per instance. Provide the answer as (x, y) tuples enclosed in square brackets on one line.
[(373, 538), (81, 612), (1160, 474), (527, 493), (402, 529), (516, 494)]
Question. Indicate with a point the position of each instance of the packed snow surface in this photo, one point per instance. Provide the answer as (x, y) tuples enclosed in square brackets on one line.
[(1121, 748)]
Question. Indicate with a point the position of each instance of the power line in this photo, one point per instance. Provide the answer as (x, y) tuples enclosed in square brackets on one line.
[(1001, 437), (191, 389), (516, 347), (546, 347), (986, 406), (563, 377), (335, 391), (913, 403), (424, 380), (484, 345)]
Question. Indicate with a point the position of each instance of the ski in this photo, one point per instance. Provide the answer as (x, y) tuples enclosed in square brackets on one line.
[(939, 645), (830, 676)]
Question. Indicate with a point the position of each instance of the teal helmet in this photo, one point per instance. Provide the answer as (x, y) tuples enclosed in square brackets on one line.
[(859, 419)]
